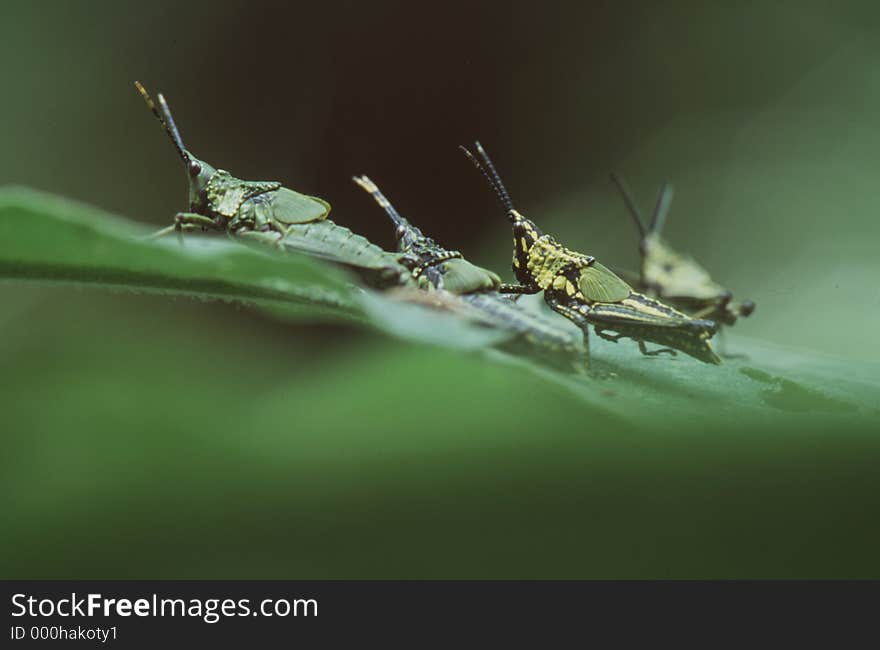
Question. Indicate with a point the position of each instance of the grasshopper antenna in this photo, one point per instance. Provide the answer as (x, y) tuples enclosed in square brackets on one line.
[(630, 203), (661, 209), (490, 174), (499, 186), (165, 120), (370, 187)]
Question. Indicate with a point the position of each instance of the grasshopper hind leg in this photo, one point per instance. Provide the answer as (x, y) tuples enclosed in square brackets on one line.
[(653, 353), (614, 338), (575, 317)]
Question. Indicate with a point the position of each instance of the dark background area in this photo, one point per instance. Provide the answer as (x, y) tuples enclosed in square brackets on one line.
[(762, 115), (151, 437)]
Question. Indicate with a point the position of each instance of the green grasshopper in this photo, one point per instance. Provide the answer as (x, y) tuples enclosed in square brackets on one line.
[(268, 213), (673, 277), (439, 268), (578, 287), (431, 264)]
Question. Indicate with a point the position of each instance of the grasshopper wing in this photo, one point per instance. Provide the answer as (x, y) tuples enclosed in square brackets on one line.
[(460, 277), (599, 284), (289, 207)]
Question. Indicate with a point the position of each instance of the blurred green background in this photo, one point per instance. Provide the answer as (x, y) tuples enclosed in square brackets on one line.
[(147, 437)]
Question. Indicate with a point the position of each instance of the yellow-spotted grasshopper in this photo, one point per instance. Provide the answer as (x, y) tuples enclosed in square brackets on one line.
[(673, 277), (587, 293), (438, 268), (269, 213)]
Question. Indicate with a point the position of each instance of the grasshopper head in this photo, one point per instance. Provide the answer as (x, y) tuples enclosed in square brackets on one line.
[(418, 249), (198, 171), (409, 237), (525, 232), (726, 311), (199, 174), (651, 244)]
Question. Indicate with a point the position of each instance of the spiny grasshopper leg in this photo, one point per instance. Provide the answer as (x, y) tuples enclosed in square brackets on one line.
[(574, 316), (653, 353)]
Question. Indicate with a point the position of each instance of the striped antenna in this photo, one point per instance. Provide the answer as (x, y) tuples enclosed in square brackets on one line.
[(165, 120), (370, 187), (490, 174)]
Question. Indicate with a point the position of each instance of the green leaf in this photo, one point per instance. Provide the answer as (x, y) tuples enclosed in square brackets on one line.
[(303, 453), (47, 238), (414, 322)]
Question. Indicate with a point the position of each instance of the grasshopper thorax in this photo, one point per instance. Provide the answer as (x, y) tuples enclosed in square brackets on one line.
[(423, 253)]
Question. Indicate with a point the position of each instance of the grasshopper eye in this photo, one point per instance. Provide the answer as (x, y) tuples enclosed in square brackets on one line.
[(195, 168)]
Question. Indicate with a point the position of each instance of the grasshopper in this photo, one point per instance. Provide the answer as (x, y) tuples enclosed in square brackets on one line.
[(673, 277), (439, 268), (578, 287), (431, 264), (267, 212)]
